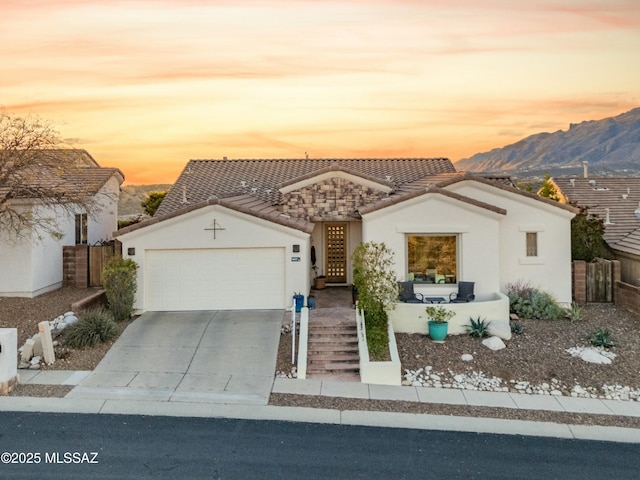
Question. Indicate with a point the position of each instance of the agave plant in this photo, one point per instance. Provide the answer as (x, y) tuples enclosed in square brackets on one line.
[(478, 328), (601, 338)]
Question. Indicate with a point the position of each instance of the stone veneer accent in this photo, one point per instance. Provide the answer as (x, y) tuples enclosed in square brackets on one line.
[(330, 200)]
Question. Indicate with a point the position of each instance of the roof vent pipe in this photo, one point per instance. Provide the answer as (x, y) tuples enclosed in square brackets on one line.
[(637, 212), (184, 194), (573, 182), (607, 220), (585, 169)]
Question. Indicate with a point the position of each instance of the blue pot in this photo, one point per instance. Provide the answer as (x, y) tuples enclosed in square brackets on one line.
[(311, 303), (299, 299), (438, 331)]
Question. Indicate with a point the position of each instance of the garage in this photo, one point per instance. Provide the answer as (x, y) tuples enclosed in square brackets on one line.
[(214, 279)]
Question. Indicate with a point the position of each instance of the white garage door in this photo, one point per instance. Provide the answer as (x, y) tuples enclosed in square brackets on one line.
[(214, 279)]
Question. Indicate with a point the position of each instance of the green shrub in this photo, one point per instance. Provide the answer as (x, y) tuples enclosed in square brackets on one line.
[(528, 302), (574, 313), (93, 327), (517, 328), (377, 327), (119, 281), (601, 338), (478, 328)]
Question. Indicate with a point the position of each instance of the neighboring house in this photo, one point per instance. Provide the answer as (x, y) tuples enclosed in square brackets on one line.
[(32, 264), (616, 200), (238, 234)]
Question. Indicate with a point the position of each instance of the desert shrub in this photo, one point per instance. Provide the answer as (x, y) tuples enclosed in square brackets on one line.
[(93, 327), (377, 327), (374, 278), (517, 328), (119, 281), (478, 328), (529, 302), (601, 338), (574, 313)]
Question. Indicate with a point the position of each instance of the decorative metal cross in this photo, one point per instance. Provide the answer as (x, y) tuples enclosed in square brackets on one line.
[(215, 227)]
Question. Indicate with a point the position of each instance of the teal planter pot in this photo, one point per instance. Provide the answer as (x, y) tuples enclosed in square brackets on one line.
[(299, 299), (438, 331)]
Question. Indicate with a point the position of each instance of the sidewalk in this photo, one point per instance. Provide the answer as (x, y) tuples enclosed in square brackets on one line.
[(363, 418)]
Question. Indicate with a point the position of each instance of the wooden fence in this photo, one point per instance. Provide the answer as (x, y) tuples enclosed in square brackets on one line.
[(599, 281), (98, 259)]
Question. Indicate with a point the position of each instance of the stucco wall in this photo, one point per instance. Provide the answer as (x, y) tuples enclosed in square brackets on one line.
[(105, 222), (240, 231), (551, 270), (477, 229), (34, 260)]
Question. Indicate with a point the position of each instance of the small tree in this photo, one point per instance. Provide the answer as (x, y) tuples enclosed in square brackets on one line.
[(33, 184), (586, 236), (119, 281), (152, 202), (375, 279), (548, 190)]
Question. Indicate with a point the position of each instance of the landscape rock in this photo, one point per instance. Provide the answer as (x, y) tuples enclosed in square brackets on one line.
[(27, 350), (500, 329), (466, 357), (593, 356), (37, 345), (494, 343)]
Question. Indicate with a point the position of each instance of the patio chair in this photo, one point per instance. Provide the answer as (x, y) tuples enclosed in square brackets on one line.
[(465, 293), (407, 295)]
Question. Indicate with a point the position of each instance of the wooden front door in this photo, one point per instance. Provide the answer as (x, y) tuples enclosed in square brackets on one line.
[(335, 237)]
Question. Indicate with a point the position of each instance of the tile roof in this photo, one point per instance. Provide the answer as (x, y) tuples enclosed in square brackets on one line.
[(248, 204), (71, 172), (203, 179), (507, 187), (599, 193)]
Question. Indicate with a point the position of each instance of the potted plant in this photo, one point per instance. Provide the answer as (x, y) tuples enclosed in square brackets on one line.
[(438, 322), (299, 301), (319, 281)]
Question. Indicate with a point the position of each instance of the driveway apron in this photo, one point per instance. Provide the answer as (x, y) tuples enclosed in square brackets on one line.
[(203, 356)]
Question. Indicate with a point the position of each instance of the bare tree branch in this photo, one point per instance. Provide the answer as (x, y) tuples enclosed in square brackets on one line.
[(39, 180)]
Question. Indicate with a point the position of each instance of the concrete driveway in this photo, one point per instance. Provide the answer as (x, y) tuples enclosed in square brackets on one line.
[(206, 356)]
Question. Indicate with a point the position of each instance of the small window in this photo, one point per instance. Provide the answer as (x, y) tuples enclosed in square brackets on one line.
[(532, 244), (81, 228), (432, 258)]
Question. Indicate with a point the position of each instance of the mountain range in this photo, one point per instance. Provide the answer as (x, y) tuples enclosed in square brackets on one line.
[(611, 146)]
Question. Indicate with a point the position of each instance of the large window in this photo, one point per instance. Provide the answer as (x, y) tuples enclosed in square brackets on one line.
[(432, 258)]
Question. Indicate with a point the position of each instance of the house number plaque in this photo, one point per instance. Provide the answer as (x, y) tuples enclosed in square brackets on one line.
[(215, 227)]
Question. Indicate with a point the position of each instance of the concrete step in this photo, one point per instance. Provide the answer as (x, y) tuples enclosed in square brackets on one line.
[(333, 357), (332, 339), (338, 377), (333, 328)]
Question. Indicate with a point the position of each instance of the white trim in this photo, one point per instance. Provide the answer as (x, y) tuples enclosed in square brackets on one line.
[(431, 228), (333, 174), (531, 227)]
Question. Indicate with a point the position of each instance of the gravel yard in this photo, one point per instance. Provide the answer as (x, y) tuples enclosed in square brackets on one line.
[(25, 314), (537, 356)]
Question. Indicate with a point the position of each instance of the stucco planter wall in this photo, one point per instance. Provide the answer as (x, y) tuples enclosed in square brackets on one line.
[(379, 373), (412, 318)]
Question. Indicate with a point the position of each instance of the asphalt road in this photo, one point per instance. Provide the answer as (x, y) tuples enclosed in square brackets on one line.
[(69, 446)]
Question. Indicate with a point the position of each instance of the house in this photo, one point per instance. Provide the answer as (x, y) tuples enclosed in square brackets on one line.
[(31, 264), (616, 200), (238, 234)]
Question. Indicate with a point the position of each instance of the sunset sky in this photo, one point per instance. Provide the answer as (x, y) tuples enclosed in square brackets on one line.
[(147, 85)]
